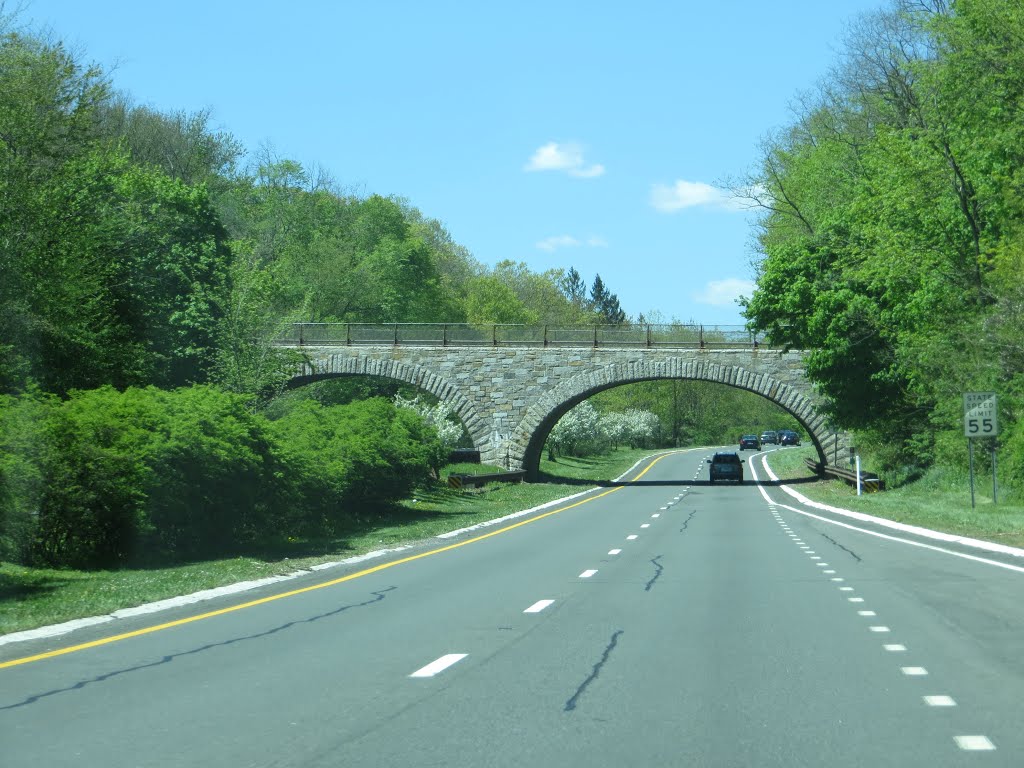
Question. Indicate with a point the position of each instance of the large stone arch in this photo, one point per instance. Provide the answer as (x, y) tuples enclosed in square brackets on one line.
[(542, 416), (408, 373)]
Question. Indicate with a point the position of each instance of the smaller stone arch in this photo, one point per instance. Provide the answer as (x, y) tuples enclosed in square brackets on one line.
[(339, 366), (528, 440)]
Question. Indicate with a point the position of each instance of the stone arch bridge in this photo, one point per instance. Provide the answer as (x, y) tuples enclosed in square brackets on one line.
[(510, 388)]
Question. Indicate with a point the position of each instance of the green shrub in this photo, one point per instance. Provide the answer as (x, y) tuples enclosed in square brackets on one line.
[(25, 454), (108, 478), (350, 459)]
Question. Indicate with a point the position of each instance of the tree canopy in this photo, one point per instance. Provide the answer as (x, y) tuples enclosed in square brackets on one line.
[(892, 223)]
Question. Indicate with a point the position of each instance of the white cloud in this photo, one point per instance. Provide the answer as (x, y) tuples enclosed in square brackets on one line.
[(588, 173), (692, 194), (724, 293), (563, 157), (551, 244)]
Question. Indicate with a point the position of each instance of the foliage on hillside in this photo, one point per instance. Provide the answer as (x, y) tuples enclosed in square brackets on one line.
[(147, 263), (893, 229)]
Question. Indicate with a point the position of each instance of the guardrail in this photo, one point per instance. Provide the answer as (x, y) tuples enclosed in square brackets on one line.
[(461, 480), (649, 335), (868, 482)]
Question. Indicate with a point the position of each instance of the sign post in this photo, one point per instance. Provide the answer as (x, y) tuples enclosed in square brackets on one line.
[(981, 419)]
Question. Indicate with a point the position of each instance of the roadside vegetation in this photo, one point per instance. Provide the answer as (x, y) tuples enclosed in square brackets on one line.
[(38, 596), (940, 500), (892, 237)]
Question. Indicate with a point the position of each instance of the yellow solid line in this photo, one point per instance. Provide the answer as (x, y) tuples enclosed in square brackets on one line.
[(331, 583)]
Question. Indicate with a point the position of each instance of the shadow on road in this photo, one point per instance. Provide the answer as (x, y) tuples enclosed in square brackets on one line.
[(708, 483)]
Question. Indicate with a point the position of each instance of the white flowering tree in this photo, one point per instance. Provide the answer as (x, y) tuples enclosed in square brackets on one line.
[(578, 432), (449, 429), (584, 431), (635, 428)]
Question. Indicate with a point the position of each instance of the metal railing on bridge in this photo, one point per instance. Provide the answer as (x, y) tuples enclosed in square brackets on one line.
[(674, 336)]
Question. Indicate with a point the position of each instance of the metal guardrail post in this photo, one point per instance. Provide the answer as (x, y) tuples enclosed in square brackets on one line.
[(348, 334), (648, 334), (701, 336), (396, 334), (545, 335), (494, 335), (301, 326), (595, 337), (444, 335)]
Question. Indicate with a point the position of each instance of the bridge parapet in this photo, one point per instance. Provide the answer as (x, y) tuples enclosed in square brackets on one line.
[(643, 335)]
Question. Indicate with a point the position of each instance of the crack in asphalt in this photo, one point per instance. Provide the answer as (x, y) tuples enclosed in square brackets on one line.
[(686, 522), (570, 705), (378, 596), (657, 572), (853, 554)]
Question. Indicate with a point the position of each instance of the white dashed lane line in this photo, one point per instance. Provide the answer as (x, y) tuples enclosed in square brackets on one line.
[(440, 665), (967, 743), (587, 574), (631, 537), (614, 551), (539, 606), (974, 743)]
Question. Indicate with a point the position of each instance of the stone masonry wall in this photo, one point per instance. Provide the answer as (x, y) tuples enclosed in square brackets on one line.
[(508, 396)]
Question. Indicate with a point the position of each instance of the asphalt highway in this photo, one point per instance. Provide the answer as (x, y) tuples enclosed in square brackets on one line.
[(660, 621)]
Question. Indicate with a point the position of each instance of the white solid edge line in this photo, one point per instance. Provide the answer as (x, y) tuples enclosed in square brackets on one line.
[(439, 665), (952, 538), (54, 630), (890, 523)]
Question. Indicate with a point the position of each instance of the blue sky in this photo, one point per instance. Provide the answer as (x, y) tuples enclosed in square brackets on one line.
[(558, 134)]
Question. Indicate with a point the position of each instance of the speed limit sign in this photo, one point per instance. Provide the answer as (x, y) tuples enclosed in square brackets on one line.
[(981, 416)]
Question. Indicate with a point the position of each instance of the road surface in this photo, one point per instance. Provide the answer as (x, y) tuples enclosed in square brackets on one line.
[(661, 621)]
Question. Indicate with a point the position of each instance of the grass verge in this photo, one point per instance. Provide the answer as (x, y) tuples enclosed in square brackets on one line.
[(935, 501), (35, 597)]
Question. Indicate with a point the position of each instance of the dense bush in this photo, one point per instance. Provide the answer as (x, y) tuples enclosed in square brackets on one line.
[(352, 458), (24, 455), (108, 478), (147, 474)]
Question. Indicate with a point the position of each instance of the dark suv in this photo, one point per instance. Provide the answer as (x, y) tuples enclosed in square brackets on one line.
[(726, 466), (750, 442), (788, 437)]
